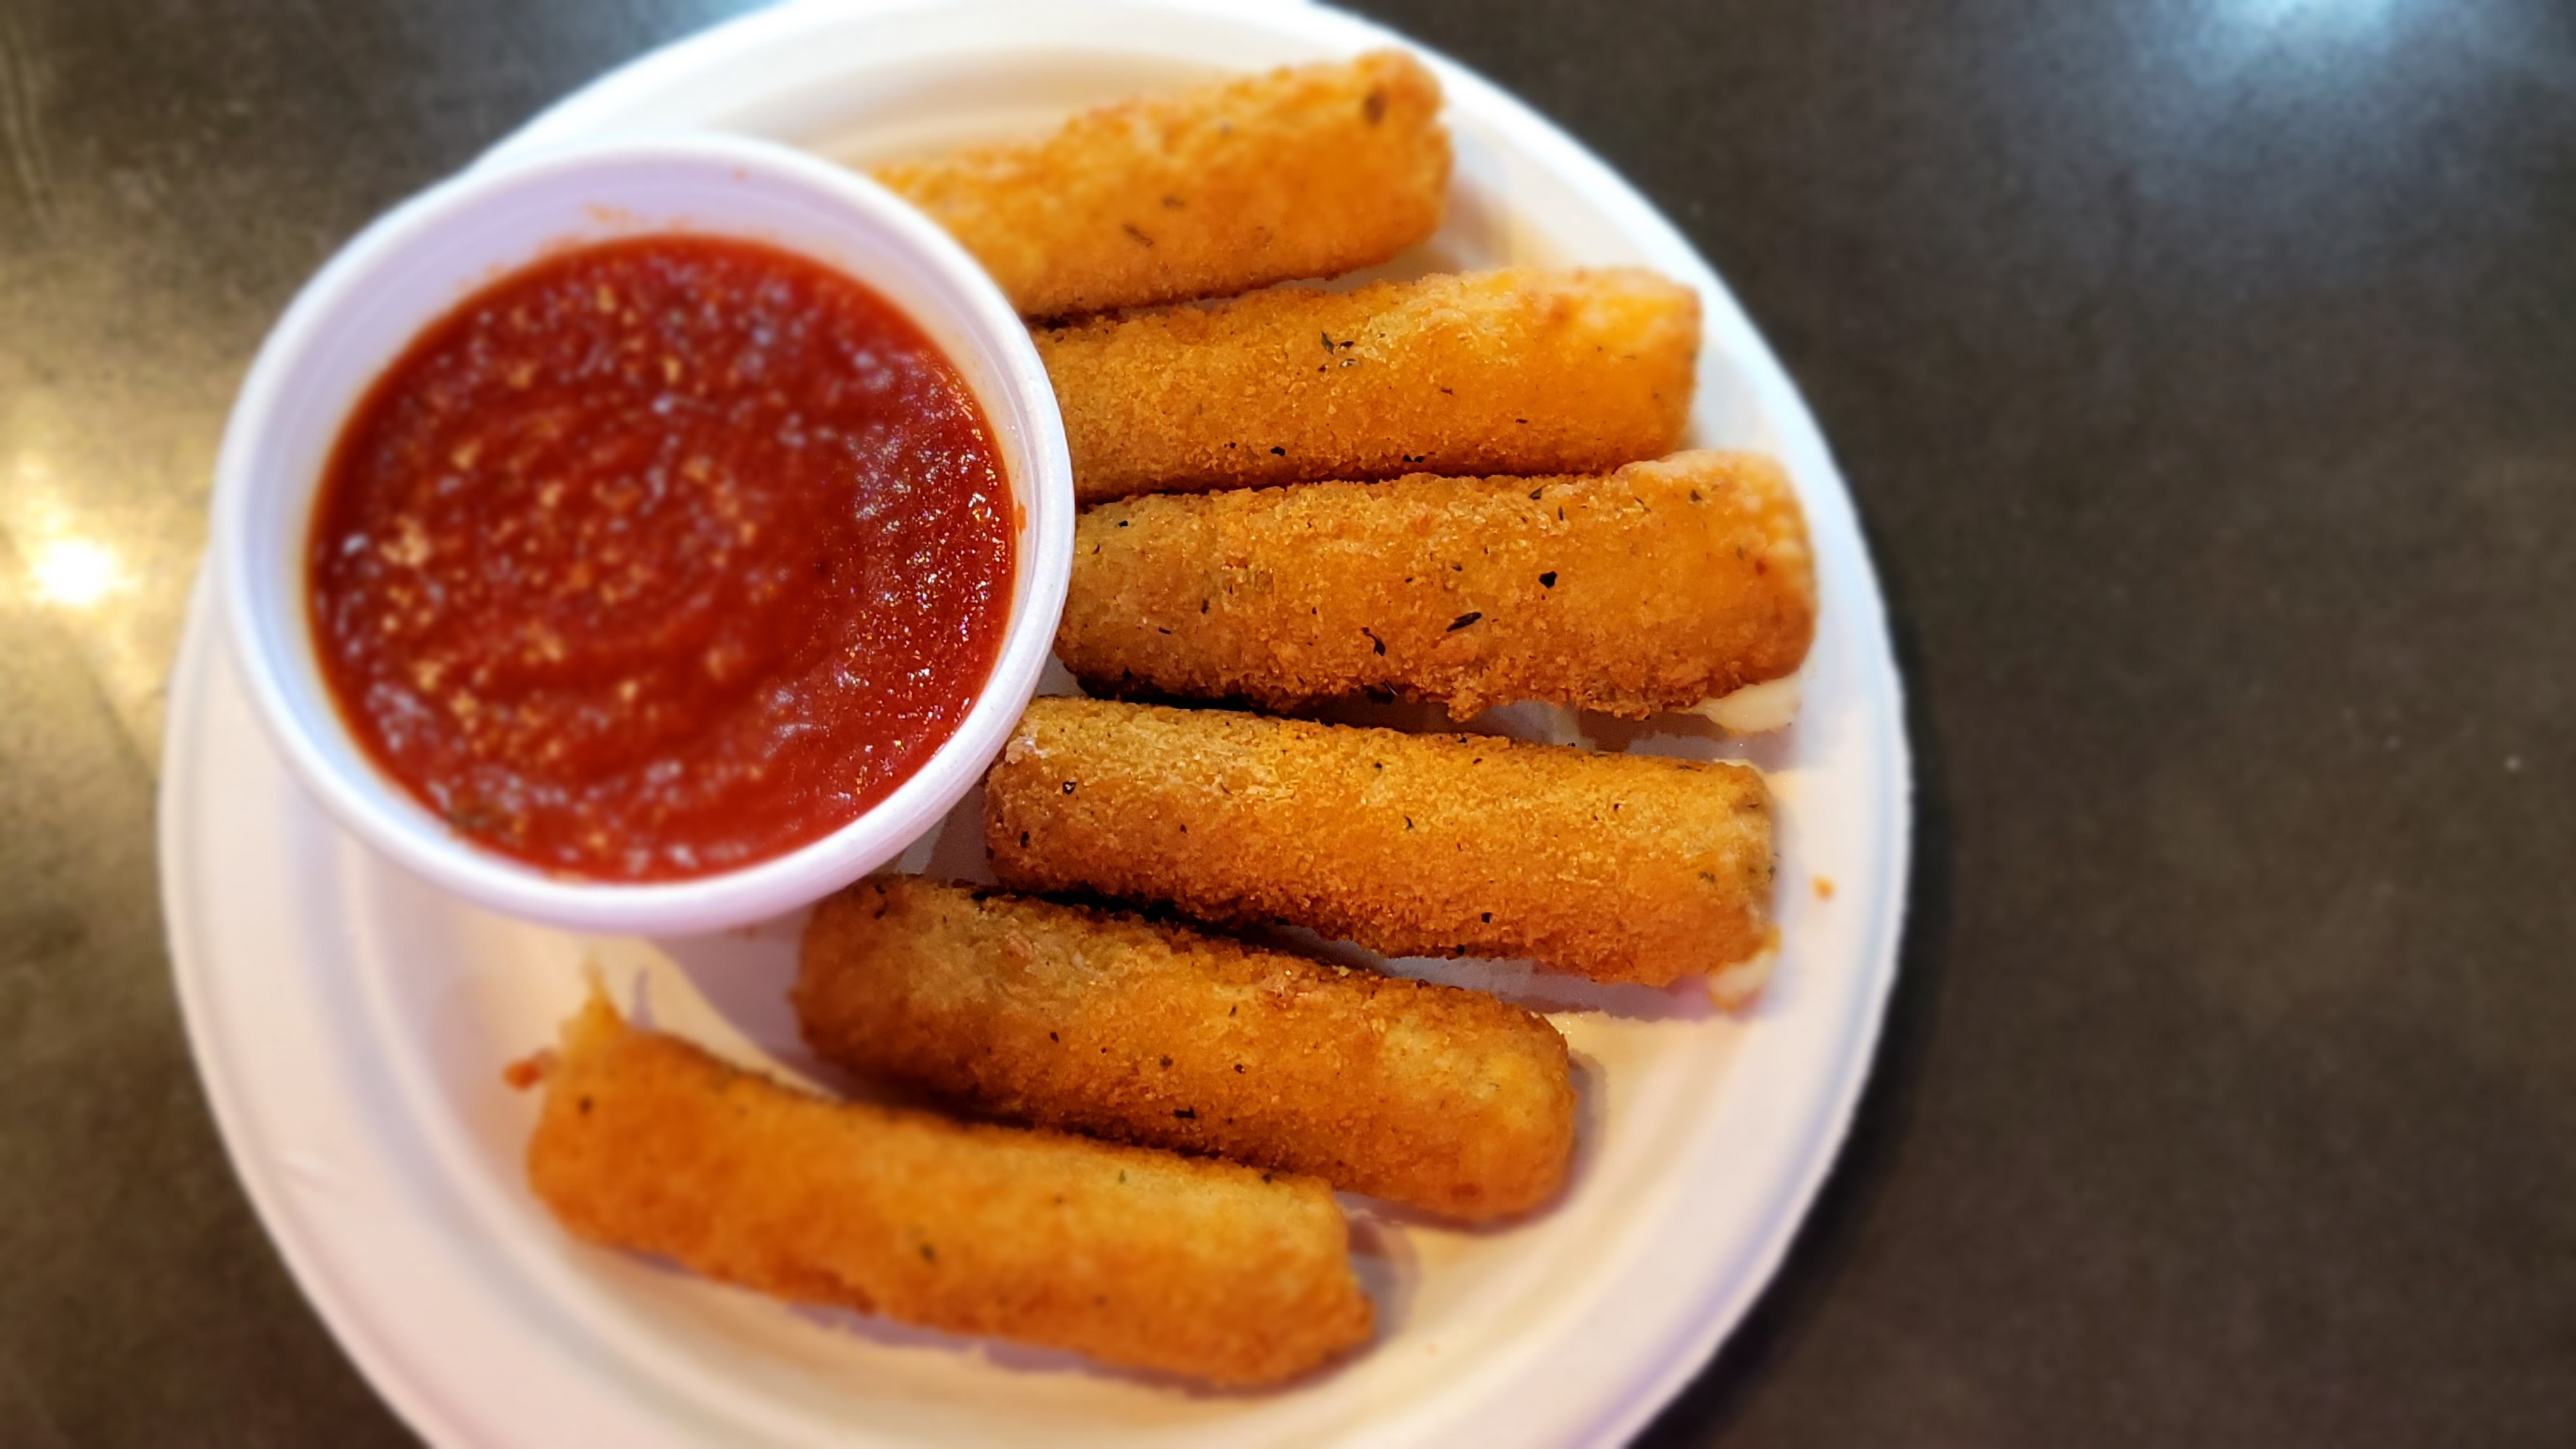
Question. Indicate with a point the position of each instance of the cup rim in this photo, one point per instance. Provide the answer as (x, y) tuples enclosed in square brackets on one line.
[(762, 888)]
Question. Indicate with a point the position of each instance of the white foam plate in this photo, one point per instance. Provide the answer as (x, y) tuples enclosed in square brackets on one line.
[(351, 1023)]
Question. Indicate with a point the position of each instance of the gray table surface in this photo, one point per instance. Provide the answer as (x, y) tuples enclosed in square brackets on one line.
[(2206, 374)]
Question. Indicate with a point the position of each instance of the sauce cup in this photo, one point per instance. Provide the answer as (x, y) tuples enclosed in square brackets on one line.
[(416, 264)]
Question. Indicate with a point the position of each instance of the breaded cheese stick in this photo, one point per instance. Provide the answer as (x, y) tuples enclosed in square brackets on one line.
[(1662, 586), (1489, 372), (1616, 867), (1110, 1024), (1131, 1256), (1302, 172)]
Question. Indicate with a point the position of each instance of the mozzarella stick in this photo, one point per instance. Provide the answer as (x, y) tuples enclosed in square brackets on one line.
[(1662, 586), (1304, 172), (1630, 868), (1131, 1256), (1109, 1024), (1493, 372)]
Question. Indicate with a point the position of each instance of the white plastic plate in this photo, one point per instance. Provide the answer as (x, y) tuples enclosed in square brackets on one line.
[(351, 1022)]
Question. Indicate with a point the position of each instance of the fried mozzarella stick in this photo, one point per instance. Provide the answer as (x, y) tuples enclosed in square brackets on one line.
[(1662, 586), (1303, 172), (1131, 1256), (1490, 372), (1113, 1025), (1616, 867)]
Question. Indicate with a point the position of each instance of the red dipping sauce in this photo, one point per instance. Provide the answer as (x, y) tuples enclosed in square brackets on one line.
[(661, 557)]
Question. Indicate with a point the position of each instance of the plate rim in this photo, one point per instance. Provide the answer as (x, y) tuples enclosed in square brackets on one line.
[(199, 638)]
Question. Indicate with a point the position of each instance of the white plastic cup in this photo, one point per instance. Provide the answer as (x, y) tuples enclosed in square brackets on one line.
[(415, 265)]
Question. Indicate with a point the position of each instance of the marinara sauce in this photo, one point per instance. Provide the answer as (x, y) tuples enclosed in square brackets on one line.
[(660, 557)]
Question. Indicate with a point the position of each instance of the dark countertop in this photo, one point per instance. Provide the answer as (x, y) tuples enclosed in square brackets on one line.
[(2206, 375)]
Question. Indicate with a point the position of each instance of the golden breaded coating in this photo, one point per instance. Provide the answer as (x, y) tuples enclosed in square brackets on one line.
[(1658, 587), (1132, 1256), (1303, 172), (1492, 372), (1616, 867), (1114, 1025)]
